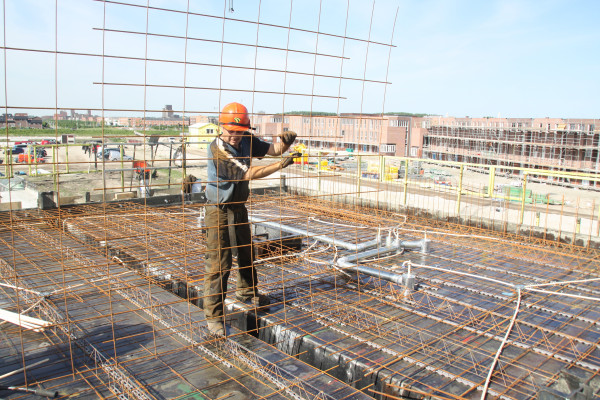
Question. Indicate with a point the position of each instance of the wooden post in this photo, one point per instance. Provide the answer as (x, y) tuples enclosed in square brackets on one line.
[(491, 182), (358, 175), (405, 183), (35, 159), (67, 158), (133, 172), (8, 166), (598, 223), (522, 212), (170, 162), (55, 166), (460, 187), (319, 157), (122, 167)]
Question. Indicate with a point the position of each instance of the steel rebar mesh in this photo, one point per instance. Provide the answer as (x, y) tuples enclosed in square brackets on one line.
[(114, 256)]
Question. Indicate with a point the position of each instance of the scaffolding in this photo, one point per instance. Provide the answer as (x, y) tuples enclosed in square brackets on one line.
[(568, 145)]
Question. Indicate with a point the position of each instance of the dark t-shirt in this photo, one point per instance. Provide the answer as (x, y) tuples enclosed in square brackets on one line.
[(227, 166)]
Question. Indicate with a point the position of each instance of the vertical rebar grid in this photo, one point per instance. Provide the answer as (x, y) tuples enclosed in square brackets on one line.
[(112, 253)]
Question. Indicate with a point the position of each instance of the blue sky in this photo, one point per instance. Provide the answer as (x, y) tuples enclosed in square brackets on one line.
[(453, 57)]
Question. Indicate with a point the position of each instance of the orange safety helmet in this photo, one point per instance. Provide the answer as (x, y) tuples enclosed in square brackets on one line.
[(234, 117)]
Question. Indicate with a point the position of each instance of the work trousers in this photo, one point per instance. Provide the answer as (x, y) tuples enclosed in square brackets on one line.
[(223, 223)]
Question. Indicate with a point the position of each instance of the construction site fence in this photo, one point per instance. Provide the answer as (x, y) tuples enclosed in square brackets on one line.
[(542, 200), (552, 203)]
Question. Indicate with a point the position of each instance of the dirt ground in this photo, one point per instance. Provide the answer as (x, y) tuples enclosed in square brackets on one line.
[(80, 171)]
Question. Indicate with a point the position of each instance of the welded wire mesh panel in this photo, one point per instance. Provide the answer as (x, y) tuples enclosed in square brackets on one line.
[(398, 259), (109, 107)]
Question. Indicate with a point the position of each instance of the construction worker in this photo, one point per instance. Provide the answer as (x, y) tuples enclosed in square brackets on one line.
[(226, 218)]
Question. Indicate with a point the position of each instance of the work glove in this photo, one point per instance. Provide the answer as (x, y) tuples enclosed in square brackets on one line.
[(289, 159), (288, 137)]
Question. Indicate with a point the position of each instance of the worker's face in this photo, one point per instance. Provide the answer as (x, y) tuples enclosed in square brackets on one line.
[(233, 137)]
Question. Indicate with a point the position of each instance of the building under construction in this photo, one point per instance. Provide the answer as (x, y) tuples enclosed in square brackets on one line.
[(555, 144), (544, 143), (382, 285)]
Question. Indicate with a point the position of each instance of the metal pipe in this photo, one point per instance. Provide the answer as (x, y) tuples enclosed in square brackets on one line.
[(29, 366), (348, 263), (38, 392), (322, 238), (422, 245)]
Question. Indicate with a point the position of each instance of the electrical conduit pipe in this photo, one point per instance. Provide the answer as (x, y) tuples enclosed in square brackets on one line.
[(321, 238), (348, 262)]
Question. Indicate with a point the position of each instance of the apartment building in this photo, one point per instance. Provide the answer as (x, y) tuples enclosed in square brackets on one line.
[(73, 115), (366, 133), (149, 122), (570, 145), (20, 121)]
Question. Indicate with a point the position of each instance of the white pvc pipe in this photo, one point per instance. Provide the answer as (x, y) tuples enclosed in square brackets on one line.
[(316, 236), (501, 347), (348, 263)]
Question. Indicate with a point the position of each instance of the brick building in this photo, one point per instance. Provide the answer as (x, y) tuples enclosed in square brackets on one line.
[(20, 121), (389, 134), (139, 122), (73, 115)]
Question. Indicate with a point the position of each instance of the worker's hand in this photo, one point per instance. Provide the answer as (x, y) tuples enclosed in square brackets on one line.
[(288, 137), (289, 159)]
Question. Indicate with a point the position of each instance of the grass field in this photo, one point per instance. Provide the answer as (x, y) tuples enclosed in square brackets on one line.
[(83, 132)]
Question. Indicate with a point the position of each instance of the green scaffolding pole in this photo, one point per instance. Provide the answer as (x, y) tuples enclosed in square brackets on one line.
[(460, 187), (523, 193)]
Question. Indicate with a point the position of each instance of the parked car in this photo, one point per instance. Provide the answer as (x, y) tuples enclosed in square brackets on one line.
[(99, 149), (18, 148), (48, 141), (115, 155)]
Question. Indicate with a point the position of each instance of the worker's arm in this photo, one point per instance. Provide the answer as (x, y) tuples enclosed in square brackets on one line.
[(286, 140), (262, 171), (229, 168)]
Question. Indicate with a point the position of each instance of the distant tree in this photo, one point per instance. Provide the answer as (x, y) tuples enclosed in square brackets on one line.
[(311, 113), (406, 114)]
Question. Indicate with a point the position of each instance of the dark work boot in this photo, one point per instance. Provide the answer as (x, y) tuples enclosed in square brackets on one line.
[(258, 301)]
